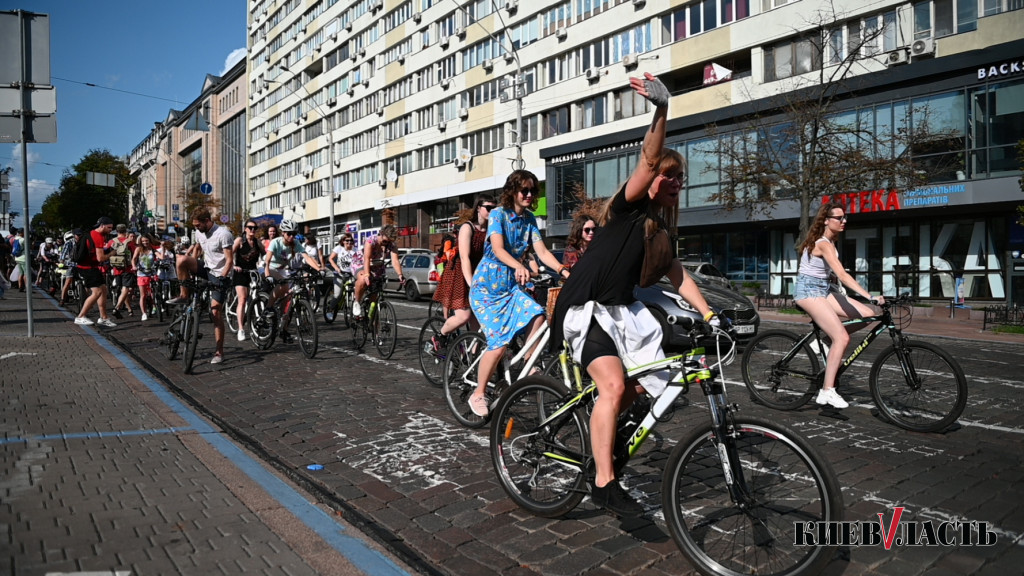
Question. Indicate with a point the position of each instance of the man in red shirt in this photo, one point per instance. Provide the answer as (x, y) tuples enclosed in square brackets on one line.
[(92, 274)]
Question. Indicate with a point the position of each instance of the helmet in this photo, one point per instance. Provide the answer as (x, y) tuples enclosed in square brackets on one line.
[(287, 226), (49, 240), (69, 235)]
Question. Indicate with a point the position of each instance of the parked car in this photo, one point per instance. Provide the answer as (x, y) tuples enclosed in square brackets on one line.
[(663, 300), (420, 274), (708, 270)]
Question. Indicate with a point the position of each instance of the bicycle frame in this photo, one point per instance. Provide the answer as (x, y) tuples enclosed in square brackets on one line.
[(885, 324), (540, 338)]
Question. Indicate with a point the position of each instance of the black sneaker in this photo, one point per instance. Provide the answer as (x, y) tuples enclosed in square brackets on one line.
[(117, 314), (613, 498)]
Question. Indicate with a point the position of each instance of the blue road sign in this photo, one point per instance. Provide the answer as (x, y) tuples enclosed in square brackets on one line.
[(206, 188)]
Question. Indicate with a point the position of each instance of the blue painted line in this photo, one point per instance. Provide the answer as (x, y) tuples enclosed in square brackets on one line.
[(92, 435), (362, 557)]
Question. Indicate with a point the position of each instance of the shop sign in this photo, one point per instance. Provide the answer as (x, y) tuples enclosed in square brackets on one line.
[(885, 200), (1001, 70)]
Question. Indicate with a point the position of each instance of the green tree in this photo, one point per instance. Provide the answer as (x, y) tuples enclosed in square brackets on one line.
[(78, 204)]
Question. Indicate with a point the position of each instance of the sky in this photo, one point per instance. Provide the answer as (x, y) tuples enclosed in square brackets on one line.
[(146, 57)]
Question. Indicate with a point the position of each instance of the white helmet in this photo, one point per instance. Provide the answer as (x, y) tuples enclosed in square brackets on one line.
[(49, 240), (287, 226), (68, 236)]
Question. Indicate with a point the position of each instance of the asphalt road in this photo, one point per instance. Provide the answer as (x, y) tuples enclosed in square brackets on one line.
[(396, 464)]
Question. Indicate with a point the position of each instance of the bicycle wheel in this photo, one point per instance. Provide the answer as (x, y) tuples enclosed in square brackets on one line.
[(231, 311), (781, 386), (435, 309), (431, 360), (460, 378), (346, 306), (190, 329), (360, 330), (780, 480), (172, 339), (158, 303), (330, 308), (541, 470), (385, 329), (262, 327), (305, 327), (927, 395)]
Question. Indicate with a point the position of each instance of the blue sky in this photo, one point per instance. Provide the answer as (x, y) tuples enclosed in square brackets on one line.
[(161, 50)]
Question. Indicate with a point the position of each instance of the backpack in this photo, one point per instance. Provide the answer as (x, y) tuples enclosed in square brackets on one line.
[(83, 248), (16, 248), (119, 258), (449, 248)]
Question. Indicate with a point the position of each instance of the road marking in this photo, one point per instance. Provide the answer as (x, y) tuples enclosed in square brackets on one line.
[(368, 357), (927, 513), (104, 573), (13, 354)]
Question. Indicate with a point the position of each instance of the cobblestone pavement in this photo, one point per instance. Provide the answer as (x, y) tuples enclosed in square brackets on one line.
[(396, 463)]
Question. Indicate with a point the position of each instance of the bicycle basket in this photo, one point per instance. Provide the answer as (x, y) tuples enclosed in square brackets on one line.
[(552, 299)]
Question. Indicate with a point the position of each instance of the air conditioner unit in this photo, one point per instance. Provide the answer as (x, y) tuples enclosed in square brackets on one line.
[(488, 65), (318, 48), (362, 52), (332, 101), (509, 57), (561, 33), (366, 83), (896, 57), (351, 91), (445, 83), (348, 26), (380, 110), (354, 55), (443, 42), (332, 36), (460, 32), (307, 172), (512, 5), (383, 183), (639, 3), (593, 74), (401, 59), (459, 162), (630, 60), (922, 47), (442, 126), (416, 17), (305, 116), (337, 163), (266, 58), (463, 113)]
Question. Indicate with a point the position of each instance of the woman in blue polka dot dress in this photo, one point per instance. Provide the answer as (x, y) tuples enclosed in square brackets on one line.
[(497, 296)]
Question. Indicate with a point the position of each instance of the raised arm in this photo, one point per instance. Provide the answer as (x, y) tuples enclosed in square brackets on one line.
[(645, 171)]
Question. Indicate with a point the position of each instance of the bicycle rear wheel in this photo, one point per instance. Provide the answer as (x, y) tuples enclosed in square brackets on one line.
[(330, 308), (783, 386), (460, 377), (305, 327), (190, 330), (541, 470), (431, 360), (781, 480), (385, 329), (926, 396), (231, 311), (172, 339), (263, 324), (360, 328)]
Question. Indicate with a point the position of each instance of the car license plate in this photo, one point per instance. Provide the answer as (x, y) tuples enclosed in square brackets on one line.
[(743, 328)]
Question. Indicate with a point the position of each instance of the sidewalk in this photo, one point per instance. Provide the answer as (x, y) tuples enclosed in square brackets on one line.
[(103, 470)]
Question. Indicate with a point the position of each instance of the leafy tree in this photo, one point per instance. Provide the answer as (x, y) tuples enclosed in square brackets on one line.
[(78, 204), (805, 143)]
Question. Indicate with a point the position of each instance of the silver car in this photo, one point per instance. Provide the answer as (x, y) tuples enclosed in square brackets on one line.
[(420, 274)]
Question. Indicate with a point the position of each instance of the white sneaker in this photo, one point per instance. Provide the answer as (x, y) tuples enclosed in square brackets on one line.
[(241, 335), (83, 321), (106, 322), (831, 397), (357, 310), (144, 317)]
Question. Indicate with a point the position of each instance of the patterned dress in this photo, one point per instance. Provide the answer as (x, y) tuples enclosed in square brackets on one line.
[(499, 303), (452, 291)]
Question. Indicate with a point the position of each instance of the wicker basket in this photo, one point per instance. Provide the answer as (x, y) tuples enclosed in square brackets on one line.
[(549, 307)]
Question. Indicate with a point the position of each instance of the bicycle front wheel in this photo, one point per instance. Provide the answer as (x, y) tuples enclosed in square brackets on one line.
[(541, 470), (924, 393), (190, 330), (780, 483), (231, 311), (330, 309), (263, 324), (385, 329), (460, 377), (305, 327), (779, 384), (172, 339), (431, 360)]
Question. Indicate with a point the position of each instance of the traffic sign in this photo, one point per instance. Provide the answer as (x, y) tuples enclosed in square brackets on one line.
[(224, 219), (206, 188)]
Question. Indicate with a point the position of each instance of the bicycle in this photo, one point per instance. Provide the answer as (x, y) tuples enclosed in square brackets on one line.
[(77, 292), (378, 321), (333, 306), (265, 321), (184, 328), (915, 385), (432, 358), (732, 489), (231, 304)]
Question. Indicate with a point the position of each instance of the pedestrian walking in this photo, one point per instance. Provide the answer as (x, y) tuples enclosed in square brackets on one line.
[(90, 258)]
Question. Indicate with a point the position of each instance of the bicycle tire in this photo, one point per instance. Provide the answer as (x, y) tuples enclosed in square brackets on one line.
[(783, 480), (262, 330), (781, 387), (460, 380), (431, 361), (191, 332), (330, 309), (435, 309), (231, 311), (172, 339), (305, 328), (158, 305), (536, 482), (346, 306), (935, 402), (360, 330), (385, 335)]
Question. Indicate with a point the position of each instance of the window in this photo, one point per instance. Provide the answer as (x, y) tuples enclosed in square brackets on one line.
[(791, 58), (555, 122), (938, 18), (997, 124), (592, 112), (863, 37), (628, 104)]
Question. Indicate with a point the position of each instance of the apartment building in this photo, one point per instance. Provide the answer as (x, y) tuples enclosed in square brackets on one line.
[(199, 149), (417, 105)]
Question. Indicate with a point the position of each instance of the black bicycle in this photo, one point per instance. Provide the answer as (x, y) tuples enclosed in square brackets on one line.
[(915, 385), (184, 329), (341, 306), (378, 322), (266, 321)]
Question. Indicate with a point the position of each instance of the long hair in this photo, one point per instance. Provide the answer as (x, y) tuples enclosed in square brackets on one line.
[(471, 214), (579, 220), (515, 182), (668, 161), (817, 228)]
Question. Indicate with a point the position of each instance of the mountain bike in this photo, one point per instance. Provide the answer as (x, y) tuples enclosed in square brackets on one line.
[(342, 305), (732, 490), (231, 304), (915, 385), (294, 305), (77, 293), (432, 351), (379, 322), (184, 328)]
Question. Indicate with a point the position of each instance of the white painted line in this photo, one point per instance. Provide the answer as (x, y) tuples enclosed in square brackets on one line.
[(13, 354), (925, 513)]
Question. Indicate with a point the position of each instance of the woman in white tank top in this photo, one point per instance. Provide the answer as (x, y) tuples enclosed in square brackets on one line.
[(819, 259)]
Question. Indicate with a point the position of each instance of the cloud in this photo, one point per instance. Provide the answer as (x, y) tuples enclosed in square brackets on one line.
[(232, 59)]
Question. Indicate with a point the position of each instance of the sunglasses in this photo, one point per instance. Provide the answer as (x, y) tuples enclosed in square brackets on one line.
[(589, 230), (250, 227), (528, 192), (346, 241), (840, 218), (288, 233), (489, 206)]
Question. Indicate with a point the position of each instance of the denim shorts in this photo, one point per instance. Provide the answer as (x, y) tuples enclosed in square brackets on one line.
[(810, 287)]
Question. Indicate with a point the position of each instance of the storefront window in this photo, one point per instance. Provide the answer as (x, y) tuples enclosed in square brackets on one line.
[(997, 123)]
